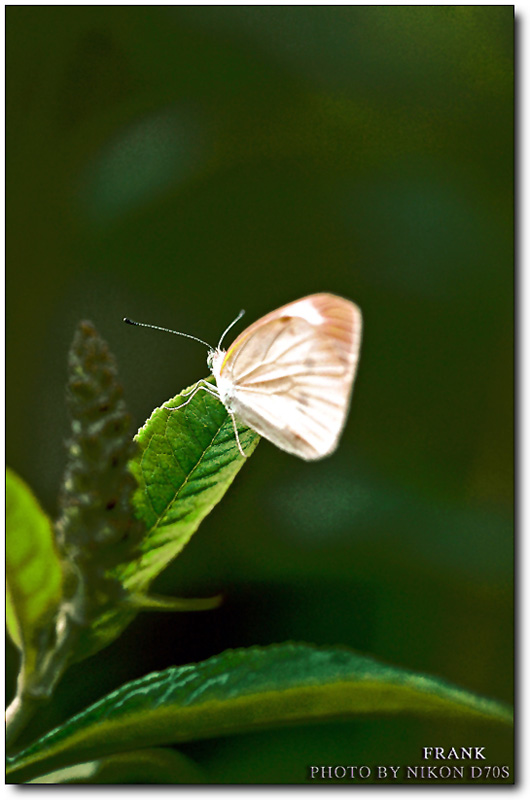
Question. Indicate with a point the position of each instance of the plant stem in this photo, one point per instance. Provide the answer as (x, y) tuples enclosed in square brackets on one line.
[(37, 688), (18, 714)]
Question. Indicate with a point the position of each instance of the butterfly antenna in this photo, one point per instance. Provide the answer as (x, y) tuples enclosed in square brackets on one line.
[(230, 326), (167, 330)]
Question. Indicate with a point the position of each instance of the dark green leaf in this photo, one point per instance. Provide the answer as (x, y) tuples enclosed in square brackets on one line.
[(246, 690)]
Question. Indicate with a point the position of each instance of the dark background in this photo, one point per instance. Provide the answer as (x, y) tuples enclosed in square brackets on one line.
[(176, 164)]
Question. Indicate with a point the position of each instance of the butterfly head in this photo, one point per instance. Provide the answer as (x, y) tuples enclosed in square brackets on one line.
[(216, 355), (215, 359)]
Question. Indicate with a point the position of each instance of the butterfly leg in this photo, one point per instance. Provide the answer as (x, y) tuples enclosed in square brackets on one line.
[(202, 382), (237, 436), (207, 387)]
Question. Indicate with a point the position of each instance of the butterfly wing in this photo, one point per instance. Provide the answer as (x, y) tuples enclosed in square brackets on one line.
[(291, 373)]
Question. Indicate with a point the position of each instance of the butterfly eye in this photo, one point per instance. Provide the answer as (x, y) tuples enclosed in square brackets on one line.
[(209, 360)]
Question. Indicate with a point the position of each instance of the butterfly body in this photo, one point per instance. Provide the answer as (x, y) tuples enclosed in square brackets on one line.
[(289, 376)]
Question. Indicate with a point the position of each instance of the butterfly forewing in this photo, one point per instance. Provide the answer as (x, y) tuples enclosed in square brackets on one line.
[(290, 375)]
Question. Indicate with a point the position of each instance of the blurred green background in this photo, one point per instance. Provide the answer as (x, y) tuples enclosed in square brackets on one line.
[(176, 164)]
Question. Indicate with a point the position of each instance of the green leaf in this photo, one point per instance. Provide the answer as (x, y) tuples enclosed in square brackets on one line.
[(188, 458), (246, 690), (185, 462), (33, 568)]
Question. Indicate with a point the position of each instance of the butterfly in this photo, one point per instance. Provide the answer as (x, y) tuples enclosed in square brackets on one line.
[(289, 376)]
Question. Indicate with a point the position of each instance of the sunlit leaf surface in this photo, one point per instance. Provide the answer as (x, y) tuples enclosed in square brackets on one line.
[(33, 569)]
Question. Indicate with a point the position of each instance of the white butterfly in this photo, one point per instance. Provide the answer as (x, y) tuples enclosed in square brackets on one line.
[(289, 376)]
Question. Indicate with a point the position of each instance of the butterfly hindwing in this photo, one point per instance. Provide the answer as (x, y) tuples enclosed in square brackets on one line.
[(290, 375)]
